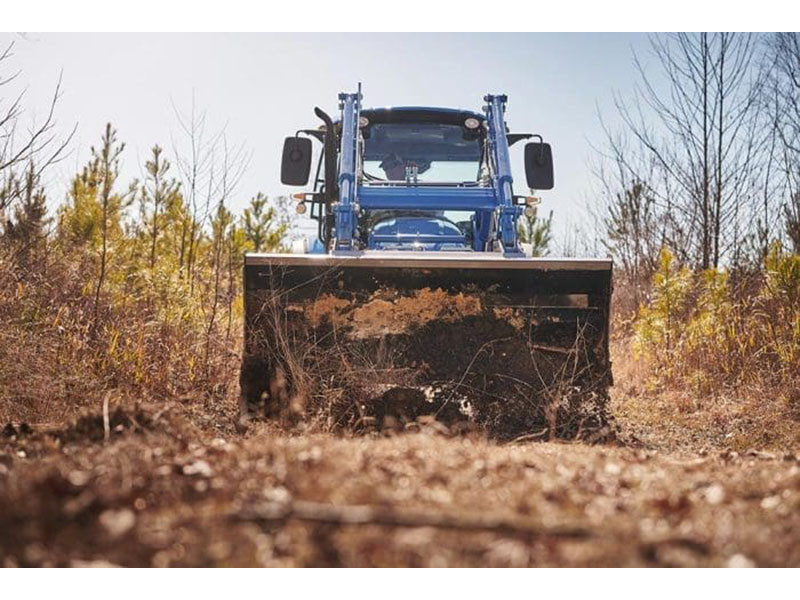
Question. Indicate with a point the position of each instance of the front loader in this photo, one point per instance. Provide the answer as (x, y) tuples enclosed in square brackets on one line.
[(423, 304)]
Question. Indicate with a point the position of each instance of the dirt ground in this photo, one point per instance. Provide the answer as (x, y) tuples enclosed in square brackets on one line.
[(177, 485)]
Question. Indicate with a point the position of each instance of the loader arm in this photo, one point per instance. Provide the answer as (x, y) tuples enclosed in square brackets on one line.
[(496, 213)]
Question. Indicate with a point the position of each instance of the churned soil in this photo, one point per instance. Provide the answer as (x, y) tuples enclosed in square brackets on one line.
[(359, 361), (173, 486), (392, 313)]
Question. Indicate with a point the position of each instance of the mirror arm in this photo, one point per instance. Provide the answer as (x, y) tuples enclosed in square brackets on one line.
[(314, 133), (513, 138)]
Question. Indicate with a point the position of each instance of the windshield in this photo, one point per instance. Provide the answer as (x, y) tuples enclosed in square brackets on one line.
[(417, 232), (439, 153)]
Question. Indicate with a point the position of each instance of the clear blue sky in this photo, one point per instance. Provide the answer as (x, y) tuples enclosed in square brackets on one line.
[(264, 86)]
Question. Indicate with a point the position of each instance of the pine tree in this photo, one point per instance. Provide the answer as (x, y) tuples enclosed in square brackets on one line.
[(659, 324), (25, 231), (536, 231), (93, 215), (158, 194), (112, 204), (264, 228)]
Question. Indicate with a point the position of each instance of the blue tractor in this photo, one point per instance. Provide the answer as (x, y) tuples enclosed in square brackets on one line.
[(424, 301)]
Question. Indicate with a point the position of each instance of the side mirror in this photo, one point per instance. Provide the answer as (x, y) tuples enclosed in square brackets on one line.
[(539, 166), (296, 163)]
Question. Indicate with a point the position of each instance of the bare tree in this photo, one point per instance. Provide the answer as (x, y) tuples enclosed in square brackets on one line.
[(106, 159), (39, 144), (786, 55), (209, 170), (784, 99), (633, 231), (225, 177), (696, 141), (194, 155)]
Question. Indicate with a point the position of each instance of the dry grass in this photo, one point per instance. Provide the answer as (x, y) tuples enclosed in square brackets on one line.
[(758, 415), (59, 356), (710, 360)]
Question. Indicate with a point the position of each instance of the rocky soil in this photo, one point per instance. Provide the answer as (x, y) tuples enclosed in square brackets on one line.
[(176, 487)]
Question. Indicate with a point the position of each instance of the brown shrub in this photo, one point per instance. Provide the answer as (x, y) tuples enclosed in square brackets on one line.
[(58, 354), (713, 358)]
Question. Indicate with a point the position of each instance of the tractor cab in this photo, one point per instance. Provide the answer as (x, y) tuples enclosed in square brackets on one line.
[(441, 175), (411, 147)]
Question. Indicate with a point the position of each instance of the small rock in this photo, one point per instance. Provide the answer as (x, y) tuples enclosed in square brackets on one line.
[(277, 494), (163, 470), (770, 502), (613, 469), (79, 478), (312, 455), (92, 564), (740, 561), (198, 467), (117, 522), (715, 494), (76, 505), (10, 562), (35, 553)]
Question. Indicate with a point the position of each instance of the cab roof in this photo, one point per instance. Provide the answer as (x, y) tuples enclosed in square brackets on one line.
[(394, 114)]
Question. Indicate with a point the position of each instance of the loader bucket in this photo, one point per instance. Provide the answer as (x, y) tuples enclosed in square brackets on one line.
[(515, 346)]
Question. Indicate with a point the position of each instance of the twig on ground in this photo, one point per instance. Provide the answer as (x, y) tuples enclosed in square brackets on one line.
[(106, 424), (396, 517), (530, 436)]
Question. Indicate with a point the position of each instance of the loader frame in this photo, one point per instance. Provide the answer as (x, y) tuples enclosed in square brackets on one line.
[(496, 213)]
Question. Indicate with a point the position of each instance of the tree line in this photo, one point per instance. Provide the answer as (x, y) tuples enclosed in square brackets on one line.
[(706, 161), (125, 285), (170, 225), (701, 214)]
